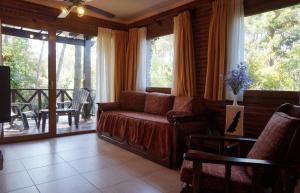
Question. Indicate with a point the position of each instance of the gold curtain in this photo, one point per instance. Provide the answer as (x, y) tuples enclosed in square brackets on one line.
[(131, 60), (121, 40), (184, 69), (216, 64)]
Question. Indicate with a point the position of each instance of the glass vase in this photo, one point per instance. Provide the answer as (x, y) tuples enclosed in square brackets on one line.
[(235, 100)]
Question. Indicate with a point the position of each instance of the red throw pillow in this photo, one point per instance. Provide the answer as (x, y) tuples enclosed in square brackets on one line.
[(157, 103)]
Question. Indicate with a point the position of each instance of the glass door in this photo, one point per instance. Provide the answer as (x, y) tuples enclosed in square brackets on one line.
[(75, 82), (25, 51)]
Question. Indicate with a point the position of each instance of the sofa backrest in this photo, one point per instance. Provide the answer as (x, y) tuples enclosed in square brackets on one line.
[(158, 103), (189, 104), (132, 101)]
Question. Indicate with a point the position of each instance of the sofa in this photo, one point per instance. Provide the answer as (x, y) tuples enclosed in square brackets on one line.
[(153, 125)]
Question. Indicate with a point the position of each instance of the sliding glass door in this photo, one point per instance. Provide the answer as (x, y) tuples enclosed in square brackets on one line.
[(25, 51), (75, 82)]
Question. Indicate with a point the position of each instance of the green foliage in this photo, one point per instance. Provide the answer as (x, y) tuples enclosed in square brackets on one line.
[(18, 54), (161, 66), (273, 49)]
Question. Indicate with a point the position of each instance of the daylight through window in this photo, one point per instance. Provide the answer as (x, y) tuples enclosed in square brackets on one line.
[(272, 49), (160, 54)]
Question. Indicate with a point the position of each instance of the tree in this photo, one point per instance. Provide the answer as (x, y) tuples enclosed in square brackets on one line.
[(273, 49)]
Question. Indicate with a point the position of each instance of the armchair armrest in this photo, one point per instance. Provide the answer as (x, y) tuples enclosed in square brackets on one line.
[(222, 138), (203, 157), (108, 106)]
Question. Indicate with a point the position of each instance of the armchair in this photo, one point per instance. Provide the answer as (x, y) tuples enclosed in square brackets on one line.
[(271, 164)]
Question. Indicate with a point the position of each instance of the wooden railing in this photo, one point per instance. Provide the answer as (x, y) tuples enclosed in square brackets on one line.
[(38, 98)]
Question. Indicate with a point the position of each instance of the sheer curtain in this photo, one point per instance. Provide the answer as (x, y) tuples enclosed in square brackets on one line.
[(235, 39), (142, 57), (105, 66)]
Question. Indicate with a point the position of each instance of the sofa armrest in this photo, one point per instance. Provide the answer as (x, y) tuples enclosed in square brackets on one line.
[(180, 116), (108, 106)]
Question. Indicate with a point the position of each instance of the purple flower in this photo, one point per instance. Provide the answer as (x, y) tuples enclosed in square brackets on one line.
[(238, 78)]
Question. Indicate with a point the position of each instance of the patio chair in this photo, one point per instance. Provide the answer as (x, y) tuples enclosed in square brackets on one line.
[(79, 99), (23, 115), (271, 164)]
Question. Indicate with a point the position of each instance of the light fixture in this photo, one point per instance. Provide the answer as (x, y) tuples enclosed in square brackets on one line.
[(80, 11), (31, 36)]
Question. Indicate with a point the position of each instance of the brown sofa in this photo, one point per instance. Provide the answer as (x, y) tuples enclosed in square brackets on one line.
[(153, 125)]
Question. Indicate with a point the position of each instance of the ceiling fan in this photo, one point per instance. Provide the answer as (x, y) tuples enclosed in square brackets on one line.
[(81, 6)]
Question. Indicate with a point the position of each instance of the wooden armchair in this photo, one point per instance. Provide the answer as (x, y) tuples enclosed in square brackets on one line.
[(271, 164)]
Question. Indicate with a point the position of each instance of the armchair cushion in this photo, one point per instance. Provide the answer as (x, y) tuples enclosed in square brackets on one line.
[(213, 176), (159, 104), (133, 101), (274, 140)]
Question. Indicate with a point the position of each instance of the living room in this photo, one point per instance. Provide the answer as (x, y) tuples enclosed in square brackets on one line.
[(149, 96)]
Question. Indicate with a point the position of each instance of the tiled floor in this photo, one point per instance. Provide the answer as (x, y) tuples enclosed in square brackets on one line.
[(81, 164)]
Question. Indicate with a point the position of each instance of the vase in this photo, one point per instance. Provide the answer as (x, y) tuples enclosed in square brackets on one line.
[(235, 100)]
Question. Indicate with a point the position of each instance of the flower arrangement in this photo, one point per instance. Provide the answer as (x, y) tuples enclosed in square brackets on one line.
[(238, 79)]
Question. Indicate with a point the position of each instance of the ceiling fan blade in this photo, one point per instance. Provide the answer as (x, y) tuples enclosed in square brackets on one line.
[(65, 11), (99, 11)]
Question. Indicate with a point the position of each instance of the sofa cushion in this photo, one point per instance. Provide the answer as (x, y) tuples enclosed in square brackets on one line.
[(132, 101), (158, 103), (273, 141), (183, 103)]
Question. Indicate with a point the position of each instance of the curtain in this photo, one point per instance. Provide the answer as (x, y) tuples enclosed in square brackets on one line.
[(184, 65), (121, 40), (235, 37), (134, 74), (1, 54), (105, 66), (216, 60), (141, 81)]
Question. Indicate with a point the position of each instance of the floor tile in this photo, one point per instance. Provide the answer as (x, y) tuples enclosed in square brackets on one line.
[(51, 173), (77, 154), (75, 184), (165, 180), (11, 166), (81, 164), (40, 161), (132, 186), (26, 190), (14, 181), (107, 177), (140, 167), (89, 164)]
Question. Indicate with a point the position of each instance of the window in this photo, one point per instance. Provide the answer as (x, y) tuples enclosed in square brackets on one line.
[(272, 49), (160, 54)]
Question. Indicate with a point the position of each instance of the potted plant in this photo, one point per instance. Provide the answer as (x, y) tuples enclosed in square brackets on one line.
[(238, 79)]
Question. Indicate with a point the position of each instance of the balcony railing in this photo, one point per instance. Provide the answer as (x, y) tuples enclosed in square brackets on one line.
[(38, 98)]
